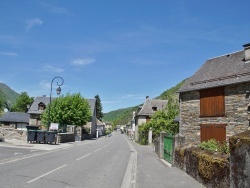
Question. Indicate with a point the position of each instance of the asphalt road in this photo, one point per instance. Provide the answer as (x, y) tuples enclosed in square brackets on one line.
[(91, 163)]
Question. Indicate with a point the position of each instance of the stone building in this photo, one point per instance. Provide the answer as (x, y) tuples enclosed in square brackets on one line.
[(40, 104), (214, 102), (145, 112), (37, 108)]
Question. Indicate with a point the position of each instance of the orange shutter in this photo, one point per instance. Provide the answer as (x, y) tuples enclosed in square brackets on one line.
[(213, 131), (212, 102)]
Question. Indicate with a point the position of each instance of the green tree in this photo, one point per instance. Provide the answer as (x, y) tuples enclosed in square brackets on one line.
[(161, 120), (99, 114), (68, 110), (22, 101), (1, 104)]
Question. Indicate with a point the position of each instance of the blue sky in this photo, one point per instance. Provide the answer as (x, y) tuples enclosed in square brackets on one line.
[(122, 50)]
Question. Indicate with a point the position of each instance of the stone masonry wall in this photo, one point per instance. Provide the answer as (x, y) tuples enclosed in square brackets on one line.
[(240, 160), (236, 106)]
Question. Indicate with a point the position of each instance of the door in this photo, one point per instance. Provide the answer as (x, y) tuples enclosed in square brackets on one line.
[(168, 148)]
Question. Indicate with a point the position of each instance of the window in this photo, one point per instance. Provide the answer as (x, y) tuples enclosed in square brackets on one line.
[(148, 119), (41, 106), (154, 108), (213, 131), (212, 102)]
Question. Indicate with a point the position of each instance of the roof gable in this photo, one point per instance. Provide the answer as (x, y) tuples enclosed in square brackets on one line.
[(149, 104), (220, 71), (92, 105), (38, 100)]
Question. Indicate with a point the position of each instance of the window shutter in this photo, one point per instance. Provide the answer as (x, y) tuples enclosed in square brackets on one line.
[(212, 102), (213, 131), (204, 102), (218, 102)]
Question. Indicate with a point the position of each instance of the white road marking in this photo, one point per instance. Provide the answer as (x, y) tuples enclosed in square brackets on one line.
[(39, 177), (16, 153), (98, 149), (83, 156)]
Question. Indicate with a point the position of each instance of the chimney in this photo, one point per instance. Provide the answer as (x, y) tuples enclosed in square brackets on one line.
[(247, 52), (133, 114)]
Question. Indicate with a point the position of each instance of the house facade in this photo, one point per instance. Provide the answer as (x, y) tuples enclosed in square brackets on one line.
[(36, 109), (214, 102), (17, 120), (40, 104), (145, 112), (93, 121)]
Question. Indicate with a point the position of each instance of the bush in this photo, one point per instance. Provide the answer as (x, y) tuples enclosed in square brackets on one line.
[(214, 145)]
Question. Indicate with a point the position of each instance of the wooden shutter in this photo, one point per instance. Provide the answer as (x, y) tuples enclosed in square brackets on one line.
[(205, 102), (218, 102), (212, 102), (213, 131)]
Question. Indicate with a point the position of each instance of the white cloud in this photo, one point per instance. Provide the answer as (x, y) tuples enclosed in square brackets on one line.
[(33, 22), (133, 96), (8, 53), (49, 68), (81, 62), (54, 8)]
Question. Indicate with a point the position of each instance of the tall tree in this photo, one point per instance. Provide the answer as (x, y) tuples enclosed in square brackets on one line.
[(99, 114), (22, 101), (68, 110)]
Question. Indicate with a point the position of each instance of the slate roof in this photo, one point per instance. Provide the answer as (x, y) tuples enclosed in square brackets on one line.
[(45, 100), (92, 105), (34, 107), (219, 71), (149, 104), (17, 117)]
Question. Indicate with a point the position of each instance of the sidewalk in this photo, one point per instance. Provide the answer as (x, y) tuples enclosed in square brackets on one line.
[(35, 146), (152, 172)]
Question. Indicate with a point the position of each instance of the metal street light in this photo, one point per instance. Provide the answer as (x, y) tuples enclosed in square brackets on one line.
[(58, 91)]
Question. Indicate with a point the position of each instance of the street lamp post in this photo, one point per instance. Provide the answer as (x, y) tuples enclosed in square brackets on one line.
[(58, 91)]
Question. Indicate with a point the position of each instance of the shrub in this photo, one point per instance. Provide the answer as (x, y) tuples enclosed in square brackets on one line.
[(214, 145)]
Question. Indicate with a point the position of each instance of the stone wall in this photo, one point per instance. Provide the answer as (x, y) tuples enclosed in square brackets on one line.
[(7, 132), (34, 119), (236, 108), (211, 170), (65, 137), (240, 160)]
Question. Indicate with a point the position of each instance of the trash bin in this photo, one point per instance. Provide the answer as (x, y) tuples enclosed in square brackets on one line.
[(31, 136), (40, 136), (50, 137), (31, 127)]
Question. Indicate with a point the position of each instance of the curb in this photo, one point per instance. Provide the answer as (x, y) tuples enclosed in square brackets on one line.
[(129, 179)]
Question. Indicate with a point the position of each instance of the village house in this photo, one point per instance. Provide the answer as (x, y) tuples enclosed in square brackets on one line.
[(17, 120), (145, 112), (214, 102), (40, 104)]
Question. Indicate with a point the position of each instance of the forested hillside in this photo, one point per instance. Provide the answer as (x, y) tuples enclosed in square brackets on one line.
[(120, 116), (8, 95), (123, 116)]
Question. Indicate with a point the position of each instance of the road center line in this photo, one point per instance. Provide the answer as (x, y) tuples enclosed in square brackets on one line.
[(83, 156), (98, 149), (39, 177)]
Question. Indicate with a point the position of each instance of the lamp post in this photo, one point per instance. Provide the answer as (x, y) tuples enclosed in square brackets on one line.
[(58, 91)]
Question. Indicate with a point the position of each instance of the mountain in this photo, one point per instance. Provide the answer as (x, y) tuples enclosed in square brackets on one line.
[(123, 116), (120, 116), (8, 95)]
